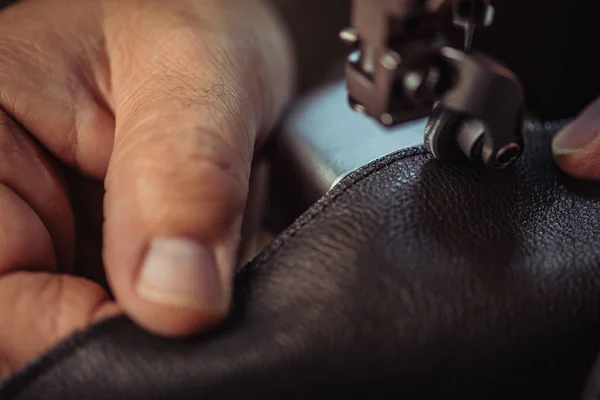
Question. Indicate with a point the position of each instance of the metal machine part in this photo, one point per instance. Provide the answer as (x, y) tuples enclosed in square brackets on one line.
[(321, 140), (488, 96), (401, 67), (470, 14)]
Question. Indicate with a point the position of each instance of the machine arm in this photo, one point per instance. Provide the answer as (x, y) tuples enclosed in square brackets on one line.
[(402, 67)]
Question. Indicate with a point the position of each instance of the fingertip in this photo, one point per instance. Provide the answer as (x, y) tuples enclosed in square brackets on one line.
[(180, 289), (176, 321), (40, 309), (581, 163), (576, 147)]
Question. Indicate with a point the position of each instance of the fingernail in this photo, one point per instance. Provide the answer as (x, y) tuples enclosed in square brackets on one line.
[(180, 272), (580, 133)]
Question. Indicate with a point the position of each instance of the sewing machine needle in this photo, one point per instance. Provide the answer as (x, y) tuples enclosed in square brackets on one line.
[(469, 32)]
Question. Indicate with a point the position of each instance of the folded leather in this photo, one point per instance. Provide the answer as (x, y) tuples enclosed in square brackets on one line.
[(411, 279)]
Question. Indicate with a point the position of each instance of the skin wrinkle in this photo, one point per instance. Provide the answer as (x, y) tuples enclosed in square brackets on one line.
[(69, 91), (266, 93), (58, 299), (131, 102), (70, 86), (95, 93), (92, 118), (216, 216), (55, 324), (7, 132), (198, 154), (203, 103), (181, 67), (25, 51), (116, 46), (212, 88), (237, 121), (157, 86), (101, 80), (198, 157), (102, 67), (194, 125), (27, 113), (53, 292), (209, 195), (43, 285), (91, 65), (244, 63), (61, 301), (126, 50), (11, 56), (233, 105)]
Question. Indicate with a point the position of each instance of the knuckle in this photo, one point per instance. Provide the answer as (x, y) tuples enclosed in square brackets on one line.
[(24, 74), (188, 183), (193, 165), (71, 302), (53, 290)]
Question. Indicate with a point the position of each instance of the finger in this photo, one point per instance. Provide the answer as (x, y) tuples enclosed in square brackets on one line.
[(175, 195), (36, 182), (24, 241), (39, 309), (188, 117), (63, 107), (577, 147), (55, 81)]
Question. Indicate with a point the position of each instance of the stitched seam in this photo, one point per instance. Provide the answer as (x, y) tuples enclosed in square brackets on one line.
[(354, 179), (350, 182), (14, 385)]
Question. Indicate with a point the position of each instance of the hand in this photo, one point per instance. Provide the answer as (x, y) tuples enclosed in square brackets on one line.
[(577, 147), (160, 103)]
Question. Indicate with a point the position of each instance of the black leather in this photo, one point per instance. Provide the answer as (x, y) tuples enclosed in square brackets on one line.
[(411, 279)]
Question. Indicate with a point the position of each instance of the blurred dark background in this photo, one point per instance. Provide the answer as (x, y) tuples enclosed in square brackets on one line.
[(550, 44)]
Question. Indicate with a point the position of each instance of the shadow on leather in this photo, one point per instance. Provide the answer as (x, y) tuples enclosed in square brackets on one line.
[(410, 279)]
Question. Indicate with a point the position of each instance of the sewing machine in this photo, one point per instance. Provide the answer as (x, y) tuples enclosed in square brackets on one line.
[(407, 86), (401, 65)]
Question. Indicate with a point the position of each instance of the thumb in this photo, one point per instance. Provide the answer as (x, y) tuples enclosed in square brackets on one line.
[(577, 147), (175, 198), (189, 109)]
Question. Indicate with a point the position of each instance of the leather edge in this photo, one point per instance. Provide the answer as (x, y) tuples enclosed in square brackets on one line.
[(345, 184), (13, 386)]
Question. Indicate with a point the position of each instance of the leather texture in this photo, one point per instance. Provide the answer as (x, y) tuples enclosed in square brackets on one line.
[(411, 279)]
